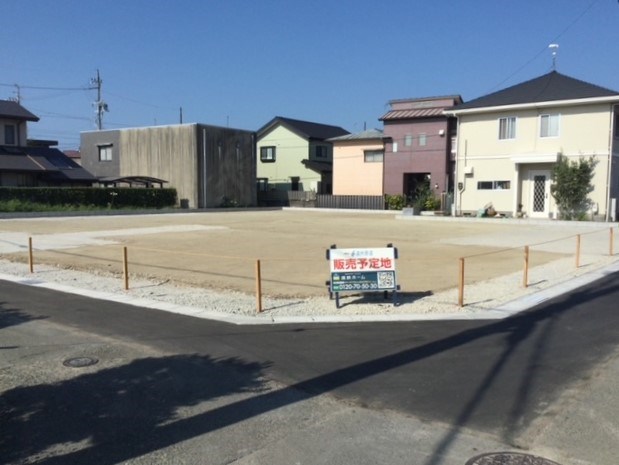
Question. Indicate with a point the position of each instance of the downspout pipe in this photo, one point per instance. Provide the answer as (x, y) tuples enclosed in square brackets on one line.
[(456, 191), (609, 164)]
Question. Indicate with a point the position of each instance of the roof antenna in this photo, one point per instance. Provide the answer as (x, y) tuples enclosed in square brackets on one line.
[(554, 48)]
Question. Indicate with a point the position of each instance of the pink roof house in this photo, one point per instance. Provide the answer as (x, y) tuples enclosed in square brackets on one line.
[(419, 150)]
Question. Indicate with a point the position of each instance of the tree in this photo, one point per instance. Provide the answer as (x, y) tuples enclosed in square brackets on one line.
[(571, 186)]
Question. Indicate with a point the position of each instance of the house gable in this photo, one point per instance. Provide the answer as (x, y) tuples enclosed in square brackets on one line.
[(304, 129)]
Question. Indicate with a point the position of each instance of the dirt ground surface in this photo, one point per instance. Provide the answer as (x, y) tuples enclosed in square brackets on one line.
[(219, 249)]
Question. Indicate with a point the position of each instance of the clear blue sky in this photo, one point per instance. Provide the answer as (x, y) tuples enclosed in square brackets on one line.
[(242, 62)]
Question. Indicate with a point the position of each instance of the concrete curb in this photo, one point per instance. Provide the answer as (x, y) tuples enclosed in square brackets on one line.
[(503, 311)]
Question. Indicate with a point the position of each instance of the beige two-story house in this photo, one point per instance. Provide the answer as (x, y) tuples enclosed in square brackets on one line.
[(509, 141)]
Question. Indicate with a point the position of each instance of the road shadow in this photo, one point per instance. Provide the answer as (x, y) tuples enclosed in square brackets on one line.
[(119, 412), (131, 410), (401, 298), (13, 317)]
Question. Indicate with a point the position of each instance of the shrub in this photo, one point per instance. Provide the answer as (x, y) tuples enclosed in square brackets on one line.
[(395, 202), (571, 186), (83, 198)]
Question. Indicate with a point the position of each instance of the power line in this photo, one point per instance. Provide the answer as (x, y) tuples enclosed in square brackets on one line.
[(47, 88), (543, 50)]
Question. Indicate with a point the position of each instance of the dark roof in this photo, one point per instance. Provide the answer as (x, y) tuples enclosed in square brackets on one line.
[(318, 166), (305, 129), (50, 162), (13, 110), (550, 87)]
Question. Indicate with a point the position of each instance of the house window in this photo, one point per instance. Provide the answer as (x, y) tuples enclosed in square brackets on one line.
[(493, 185), (267, 154), (395, 147), (294, 183), (372, 156), (105, 152), (321, 151), (549, 125), (408, 140), (422, 140), (507, 128), (9, 134), (616, 126)]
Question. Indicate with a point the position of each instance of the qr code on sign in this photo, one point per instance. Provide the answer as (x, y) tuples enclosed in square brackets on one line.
[(386, 279)]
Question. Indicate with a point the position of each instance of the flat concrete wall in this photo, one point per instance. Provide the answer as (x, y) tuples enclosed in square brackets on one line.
[(89, 150), (208, 166)]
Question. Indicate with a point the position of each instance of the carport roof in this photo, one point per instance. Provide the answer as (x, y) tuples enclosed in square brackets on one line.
[(146, 180)]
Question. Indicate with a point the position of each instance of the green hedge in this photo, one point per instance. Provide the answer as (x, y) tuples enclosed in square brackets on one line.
[(91, 196)]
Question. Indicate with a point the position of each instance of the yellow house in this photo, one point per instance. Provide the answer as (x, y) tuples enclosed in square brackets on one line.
[(295, 155), (509, 141), (358, 163)]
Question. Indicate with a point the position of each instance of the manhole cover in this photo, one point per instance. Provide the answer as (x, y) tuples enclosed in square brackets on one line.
[(509, 458), (79, 362)]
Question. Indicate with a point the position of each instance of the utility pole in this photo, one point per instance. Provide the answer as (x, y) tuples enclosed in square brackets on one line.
[(99, 104)]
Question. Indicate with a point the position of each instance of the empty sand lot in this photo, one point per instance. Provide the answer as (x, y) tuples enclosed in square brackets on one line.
[(219, 249)]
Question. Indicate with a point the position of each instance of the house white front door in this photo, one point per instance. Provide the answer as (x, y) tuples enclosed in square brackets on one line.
[(540, 194)]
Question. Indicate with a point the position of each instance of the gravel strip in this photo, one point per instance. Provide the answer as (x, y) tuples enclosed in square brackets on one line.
[(480, 299)]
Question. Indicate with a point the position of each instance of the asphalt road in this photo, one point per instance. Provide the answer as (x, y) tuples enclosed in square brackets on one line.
[(175, 389)]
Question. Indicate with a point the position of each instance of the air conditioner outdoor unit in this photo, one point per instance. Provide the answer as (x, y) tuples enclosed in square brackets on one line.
[(468, 170), (441, 132)]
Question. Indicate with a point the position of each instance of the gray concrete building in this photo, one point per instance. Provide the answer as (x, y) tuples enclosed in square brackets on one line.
[(209, 166)]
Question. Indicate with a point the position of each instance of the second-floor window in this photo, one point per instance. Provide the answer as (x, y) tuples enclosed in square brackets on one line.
[(372, 156), (321, 151), (105, 152), (267, 154), (507, 128), (422, 140), (10, 137), (549, 125)]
